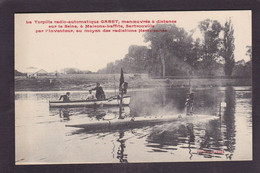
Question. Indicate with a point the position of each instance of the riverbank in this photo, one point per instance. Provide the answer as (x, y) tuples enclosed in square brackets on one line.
[(86, 82)]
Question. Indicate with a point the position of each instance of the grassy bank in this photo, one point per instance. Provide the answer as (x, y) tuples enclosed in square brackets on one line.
[(109, 81)]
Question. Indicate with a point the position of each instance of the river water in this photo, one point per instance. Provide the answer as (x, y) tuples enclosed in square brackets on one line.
[(41, 136)]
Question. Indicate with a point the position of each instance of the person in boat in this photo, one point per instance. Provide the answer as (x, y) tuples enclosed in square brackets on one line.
[(90, 95), (100, 95), (65, 97)]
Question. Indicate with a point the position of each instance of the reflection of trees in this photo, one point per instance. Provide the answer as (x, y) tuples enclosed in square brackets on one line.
[(212, 138), (120, 152), (168, 137), (229, 119), (173, 136), (162, 138)]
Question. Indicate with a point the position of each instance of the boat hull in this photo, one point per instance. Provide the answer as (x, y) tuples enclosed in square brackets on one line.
[(129, 123), (91, 103)]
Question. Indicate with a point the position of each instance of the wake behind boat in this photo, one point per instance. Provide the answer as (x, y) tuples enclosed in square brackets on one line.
[(112, 101)]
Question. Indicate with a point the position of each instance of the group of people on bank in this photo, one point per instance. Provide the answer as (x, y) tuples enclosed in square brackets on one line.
[(100, 94)]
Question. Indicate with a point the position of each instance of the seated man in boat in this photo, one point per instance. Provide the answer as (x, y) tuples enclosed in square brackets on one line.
[(100, 95), (66, 97), (90, 95)]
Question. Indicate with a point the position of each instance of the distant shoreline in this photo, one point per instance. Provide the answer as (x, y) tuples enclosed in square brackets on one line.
[(86, 82)]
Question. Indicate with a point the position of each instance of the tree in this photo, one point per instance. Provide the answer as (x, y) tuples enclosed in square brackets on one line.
[(211, 43), (138, 58), (195, 55), (135, 61), (249, 52), (249, 63), (110, 67), (176, 43), (227, 50), (71, 70)]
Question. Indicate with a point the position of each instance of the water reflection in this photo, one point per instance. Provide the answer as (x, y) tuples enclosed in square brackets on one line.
[(183, 136), (121, 156), (171, 136), (94, 113), (211, 142), (196, 140), (64, 113), (229, 121), (191, 138)]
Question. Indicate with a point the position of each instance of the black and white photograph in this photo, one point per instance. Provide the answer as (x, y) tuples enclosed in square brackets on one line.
[(133, 87)]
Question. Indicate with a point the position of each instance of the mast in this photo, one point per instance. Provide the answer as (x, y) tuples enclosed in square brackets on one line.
[(115, 84), (121, 92)]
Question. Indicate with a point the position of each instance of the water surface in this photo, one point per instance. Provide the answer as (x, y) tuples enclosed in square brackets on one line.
[(42, 138)]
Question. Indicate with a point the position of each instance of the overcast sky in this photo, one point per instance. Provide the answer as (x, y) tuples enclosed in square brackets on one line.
[(86, 51)]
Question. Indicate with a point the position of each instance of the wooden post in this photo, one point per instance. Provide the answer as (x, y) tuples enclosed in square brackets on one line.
[(121, 92), (219, 114), (115, 84), (121, 104), (190, 81)]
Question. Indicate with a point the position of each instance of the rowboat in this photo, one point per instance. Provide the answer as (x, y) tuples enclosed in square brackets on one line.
[(129, 123), (112, 101)]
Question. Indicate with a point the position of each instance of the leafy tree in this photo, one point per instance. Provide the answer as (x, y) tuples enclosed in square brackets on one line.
[(211, 43), (135, 61), (138, 59), (244, 69), (176, 44), (249, 63), (71, 70), (110, 68), (195, 55), (249, 52), (227, 50)]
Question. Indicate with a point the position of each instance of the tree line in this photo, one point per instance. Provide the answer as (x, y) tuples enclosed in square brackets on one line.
[(176, 53)]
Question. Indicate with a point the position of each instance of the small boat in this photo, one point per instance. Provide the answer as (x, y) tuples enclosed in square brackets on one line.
[(112, 101), (129, 123)]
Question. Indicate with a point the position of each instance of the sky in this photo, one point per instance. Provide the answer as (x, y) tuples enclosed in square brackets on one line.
[(92, 51)]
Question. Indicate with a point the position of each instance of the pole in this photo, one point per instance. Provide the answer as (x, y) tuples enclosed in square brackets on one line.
[(115, 84), (121, 92), (189, 81), (219, 114), (121, 104)]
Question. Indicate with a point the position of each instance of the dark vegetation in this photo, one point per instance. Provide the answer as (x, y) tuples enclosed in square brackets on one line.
[(17, 73), (176, 53)]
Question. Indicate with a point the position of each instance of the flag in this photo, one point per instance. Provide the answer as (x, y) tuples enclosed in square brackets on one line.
[(121, 79)]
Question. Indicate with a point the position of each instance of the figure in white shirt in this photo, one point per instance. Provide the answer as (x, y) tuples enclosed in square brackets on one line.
[(90, 95)]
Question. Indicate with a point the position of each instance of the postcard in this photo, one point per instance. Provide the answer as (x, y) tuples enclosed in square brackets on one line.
[(133, 87)]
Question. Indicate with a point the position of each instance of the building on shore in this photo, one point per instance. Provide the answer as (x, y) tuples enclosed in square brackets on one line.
[(37, 74)]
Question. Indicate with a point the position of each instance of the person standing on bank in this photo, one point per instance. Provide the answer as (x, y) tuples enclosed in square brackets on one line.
[(66, 97), (100, 95)]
